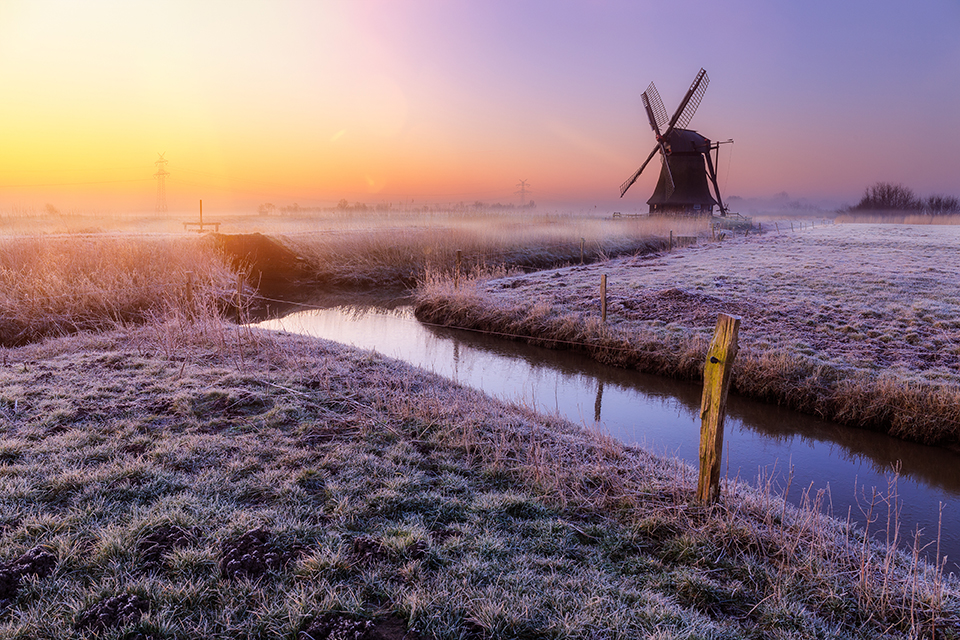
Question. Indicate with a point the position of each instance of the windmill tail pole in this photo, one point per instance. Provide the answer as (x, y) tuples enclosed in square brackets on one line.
[(713, 178)]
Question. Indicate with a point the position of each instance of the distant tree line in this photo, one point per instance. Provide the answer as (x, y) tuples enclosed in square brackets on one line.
[(884, 196)]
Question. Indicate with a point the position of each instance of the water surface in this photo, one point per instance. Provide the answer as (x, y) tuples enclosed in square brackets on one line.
[(662, 415)]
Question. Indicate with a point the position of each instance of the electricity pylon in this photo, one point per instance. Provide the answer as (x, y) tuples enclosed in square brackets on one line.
[(522, 192), (161, 176)]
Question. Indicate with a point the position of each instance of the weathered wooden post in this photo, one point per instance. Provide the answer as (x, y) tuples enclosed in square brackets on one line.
[(791, 225), (778, 227), (603, 297), (456, 273), (716, 384), (581, 250), (671, 239)]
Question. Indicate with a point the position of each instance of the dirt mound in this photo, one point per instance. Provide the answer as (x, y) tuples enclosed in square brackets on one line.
[(253, 554), (331, 626), (113, 612), (157, 543), (265, 260), (35, 562)]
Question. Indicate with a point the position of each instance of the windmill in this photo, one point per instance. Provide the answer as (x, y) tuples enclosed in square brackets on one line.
[(685, 162)]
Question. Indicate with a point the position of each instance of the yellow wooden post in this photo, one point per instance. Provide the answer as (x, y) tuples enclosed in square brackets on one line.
[(603, 297), (716, 383)]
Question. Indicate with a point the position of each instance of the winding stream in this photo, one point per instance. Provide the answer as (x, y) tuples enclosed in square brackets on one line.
[(662, 415)]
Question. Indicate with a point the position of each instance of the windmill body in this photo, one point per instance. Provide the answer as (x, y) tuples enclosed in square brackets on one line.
[(686, 168), (691, 193)]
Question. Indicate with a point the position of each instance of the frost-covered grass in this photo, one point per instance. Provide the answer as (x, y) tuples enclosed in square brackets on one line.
[(58, 285), (856, 323), (401, 250), (222, 482)]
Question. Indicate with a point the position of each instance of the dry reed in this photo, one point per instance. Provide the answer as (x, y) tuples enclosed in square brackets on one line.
[(59, 285)]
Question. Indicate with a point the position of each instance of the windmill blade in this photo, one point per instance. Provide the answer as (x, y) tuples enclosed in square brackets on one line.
[(657, 105), (629, 181), (688, 106), (670, 186), (650, 114)]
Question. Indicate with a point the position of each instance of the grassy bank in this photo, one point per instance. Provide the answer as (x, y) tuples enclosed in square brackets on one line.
[(60, 283), (194, 480), (855, 324)]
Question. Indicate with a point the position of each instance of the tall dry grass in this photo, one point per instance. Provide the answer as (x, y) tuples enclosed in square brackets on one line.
[(401, 250), (59, 285)]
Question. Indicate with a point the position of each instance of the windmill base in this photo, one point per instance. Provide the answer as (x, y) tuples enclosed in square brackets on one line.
[(684, 210)]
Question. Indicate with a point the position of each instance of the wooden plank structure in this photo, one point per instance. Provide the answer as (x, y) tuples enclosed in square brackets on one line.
[(198, 226), (716, 383)]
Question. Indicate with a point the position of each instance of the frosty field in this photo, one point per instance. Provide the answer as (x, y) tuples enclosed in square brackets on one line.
[(856, 323)]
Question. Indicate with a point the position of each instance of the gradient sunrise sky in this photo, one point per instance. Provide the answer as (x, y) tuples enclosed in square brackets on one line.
[(444, 101)]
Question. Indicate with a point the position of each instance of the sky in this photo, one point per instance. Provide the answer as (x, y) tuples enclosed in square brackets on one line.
[(448, 100)]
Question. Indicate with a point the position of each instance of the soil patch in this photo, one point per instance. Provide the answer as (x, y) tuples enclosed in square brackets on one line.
[(267, 263), (252, 555), (35, 562), (153, 546), (113, 612), (333, 626)]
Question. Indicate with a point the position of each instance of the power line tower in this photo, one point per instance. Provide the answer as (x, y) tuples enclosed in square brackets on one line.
[(161, 176), (522, 192)]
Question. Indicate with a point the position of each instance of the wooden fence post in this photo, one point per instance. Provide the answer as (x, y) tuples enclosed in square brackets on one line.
[(456, 274), (716, 384), (671, 239), (777, 225), (581, 250), (603, 297)]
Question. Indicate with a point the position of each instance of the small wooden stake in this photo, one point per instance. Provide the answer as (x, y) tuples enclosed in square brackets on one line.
[(671, 239), (603, 297), (581, 250), (716, 384), (777, 226)]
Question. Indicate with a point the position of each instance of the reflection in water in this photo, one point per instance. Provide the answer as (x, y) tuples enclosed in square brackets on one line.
[(599, 402), (662, 415)]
